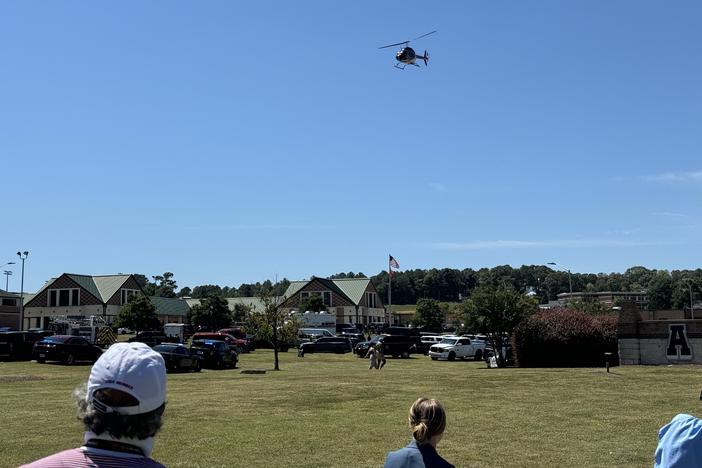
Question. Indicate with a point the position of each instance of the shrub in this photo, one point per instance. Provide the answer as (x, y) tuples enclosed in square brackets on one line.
[(565, 338)]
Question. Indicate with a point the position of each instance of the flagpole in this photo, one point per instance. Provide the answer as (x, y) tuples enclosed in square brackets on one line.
[(389, 291)]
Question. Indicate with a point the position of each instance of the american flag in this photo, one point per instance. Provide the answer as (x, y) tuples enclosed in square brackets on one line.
[(393, 263)]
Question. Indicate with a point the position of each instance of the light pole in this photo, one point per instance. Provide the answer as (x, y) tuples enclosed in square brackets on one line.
[(7, 274), (23, 256), (570, 281)]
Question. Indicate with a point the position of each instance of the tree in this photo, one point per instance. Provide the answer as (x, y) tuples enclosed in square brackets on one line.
[(241, 313), (660, 291), (496, 312), (212, 313), (313, 303), (273, 325), (205, 290), (429, 314), (165, 285), (148, 288), (139, 314), (185, 292)]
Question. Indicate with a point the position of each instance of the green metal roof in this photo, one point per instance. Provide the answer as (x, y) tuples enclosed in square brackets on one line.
[(353, 288), (293, 288), (170, 306), (255, 303), (102, 287)]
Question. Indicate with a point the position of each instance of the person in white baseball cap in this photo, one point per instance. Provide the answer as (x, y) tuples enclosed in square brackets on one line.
[(122, 408)]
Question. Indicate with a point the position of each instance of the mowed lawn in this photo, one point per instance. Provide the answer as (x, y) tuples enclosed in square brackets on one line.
[(330, 410)]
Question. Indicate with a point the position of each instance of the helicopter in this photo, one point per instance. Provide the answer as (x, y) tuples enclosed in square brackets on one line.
[(407, 55)]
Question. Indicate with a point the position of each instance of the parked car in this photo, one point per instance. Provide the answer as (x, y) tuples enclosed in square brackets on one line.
[(235, 344), (361, 349), (311, 334), (401, 331), (401, 346), (393, 345), (151, 338), (334, 344), (17, 345), (353, 335), (42, 331), (178, 357), (65, 348), (124, 331), (452, 347), (238, 333), (350, 327), (214, 353), (428, 341)]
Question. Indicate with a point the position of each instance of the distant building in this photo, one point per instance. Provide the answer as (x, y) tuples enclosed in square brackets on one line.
[(80, 296), (607, 298), (352, 300), (9, 309)]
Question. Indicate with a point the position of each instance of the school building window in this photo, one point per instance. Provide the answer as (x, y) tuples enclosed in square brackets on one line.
[(64, 297)]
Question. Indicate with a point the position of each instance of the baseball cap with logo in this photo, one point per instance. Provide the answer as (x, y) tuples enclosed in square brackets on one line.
[(133, 368)]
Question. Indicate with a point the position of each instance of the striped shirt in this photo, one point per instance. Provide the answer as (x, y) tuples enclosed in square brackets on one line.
[(93, 458)]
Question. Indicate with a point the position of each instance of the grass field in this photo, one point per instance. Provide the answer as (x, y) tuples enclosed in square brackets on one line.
[(329, 410)]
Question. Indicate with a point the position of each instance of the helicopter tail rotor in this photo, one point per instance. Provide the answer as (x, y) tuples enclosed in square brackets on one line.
[(425, 58)]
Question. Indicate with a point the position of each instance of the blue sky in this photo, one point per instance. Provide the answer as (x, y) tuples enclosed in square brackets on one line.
[(234, 142)]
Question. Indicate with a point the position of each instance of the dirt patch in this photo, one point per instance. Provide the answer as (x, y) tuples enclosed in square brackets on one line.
[(19, 378)]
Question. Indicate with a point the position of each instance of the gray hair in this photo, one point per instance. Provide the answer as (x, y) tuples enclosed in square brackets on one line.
[(138, 426)]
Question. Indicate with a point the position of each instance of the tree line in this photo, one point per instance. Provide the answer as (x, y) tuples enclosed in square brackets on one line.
[(666, 289)]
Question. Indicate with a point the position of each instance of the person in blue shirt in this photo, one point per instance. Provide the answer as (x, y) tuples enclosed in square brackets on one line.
[(427, 420), (680, 443)]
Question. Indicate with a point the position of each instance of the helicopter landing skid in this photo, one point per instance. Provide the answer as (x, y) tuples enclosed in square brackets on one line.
[(397, 65)]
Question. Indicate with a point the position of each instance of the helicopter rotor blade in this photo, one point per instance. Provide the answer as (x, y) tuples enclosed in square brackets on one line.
[(393, 45), (424, 35)]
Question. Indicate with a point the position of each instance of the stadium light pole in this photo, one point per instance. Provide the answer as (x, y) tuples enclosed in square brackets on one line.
[(570, 281), (23, 256), (7, 274), (692, 305)]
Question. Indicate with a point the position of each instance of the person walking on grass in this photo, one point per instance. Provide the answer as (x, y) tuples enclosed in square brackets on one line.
[(381, 356), (427, 420), (121, 407), (372, 356)]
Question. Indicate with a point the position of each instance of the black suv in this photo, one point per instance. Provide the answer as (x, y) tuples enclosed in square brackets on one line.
[(18, 344), (400, 345), (329, 344), (214, 353), (151, 338)]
